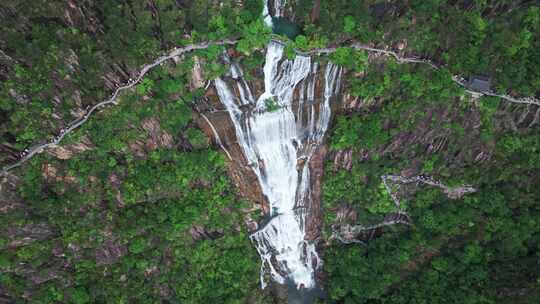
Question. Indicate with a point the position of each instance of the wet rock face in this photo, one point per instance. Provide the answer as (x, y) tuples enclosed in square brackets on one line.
[(314, 217), (239, 171), (197, 78)]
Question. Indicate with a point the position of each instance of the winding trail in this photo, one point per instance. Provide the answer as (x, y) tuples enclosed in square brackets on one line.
[(30, 152), (400, 59), (348, 234)]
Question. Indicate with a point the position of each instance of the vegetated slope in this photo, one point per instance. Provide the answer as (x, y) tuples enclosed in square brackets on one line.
[(480, 246), (60, 58), (134, 206), (494, 38), (410, 120)]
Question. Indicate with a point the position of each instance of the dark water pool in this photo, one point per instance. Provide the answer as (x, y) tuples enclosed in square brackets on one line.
[(283, 26), (303, 296)]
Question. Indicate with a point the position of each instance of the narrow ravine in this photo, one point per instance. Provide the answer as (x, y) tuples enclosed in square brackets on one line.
[(278, 136)]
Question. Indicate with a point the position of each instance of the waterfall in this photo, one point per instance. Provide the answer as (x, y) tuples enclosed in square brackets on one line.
[(278, 145)]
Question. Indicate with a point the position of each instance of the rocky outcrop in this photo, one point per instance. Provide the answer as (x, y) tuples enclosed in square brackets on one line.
[(342, 159), (67, 151), (197, 78), (27, 234), (156, 138), (241, 174), (110, 252), (9, 196)]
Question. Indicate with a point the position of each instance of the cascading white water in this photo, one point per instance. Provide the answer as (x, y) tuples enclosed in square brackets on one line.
[(273, 142)]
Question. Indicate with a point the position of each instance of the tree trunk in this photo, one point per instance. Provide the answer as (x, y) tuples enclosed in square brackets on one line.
[(315, 11)]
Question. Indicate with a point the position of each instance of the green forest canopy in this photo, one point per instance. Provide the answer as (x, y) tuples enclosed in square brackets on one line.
[(116, 224)]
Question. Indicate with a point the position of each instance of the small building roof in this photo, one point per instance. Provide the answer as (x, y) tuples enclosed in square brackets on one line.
[(479, 83)]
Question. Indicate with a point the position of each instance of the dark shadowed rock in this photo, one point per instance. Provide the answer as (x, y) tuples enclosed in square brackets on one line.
[(27, 234), (110, 252)]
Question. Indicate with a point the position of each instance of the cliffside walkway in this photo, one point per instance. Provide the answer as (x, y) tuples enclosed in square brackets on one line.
[(38, 148), (33, 150)]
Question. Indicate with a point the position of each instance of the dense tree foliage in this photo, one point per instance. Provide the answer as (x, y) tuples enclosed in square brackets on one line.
[(57, 57), (142, 211), (481, 248), (131, 218), (137, 207)]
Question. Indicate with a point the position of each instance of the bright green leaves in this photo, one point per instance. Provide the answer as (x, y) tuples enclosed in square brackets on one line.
[(359, 132), (137, 246), (301, 42), (112, 162), (381, 203), (533, 17), (213, 52), (217, 26), (214, 69), (373, 85), (435, 86), (429, 165), (80, 296), (197, 138), (521, 41), (218, 271), (349, 25), (524, 150), (477, 22), (440, 264), (427, 220), (145, 86), (473, 253), (170, 86), (342, 56), (252, 10), (254, 36), (350, 58), (271, 105), (125, 196), (346, 134)]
